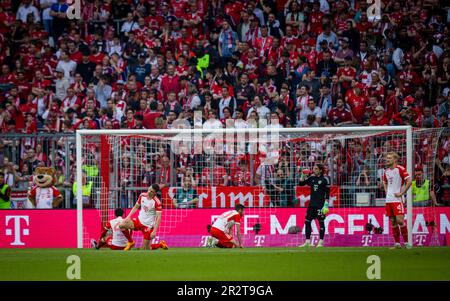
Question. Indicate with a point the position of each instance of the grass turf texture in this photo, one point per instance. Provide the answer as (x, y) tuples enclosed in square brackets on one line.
[(253, 264)]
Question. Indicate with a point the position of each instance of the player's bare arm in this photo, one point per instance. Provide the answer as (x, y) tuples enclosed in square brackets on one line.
[(238, 234), (385, 186), (135, 208), (157, 222), (405, 188), (127, 223)]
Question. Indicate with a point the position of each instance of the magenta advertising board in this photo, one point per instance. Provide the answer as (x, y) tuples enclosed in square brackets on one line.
[(188, 227)]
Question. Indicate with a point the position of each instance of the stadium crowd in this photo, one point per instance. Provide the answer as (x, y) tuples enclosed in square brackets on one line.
[(133, 64)]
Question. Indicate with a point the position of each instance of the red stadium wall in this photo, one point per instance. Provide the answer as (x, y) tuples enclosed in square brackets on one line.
[(188, 228)]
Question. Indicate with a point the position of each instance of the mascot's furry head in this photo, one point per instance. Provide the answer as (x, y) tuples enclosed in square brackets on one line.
[(44, 177)]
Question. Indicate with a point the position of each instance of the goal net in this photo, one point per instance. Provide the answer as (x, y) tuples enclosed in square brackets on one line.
[(204, 173)]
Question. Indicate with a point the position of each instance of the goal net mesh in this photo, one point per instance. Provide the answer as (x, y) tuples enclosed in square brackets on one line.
[(201, 175)]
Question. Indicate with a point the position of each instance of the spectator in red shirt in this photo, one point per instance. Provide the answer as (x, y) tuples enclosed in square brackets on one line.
[(241, 174), (346, 73), (149, 118), (74, 53), (170, 81), (96, 57), (339, 115), (215, 175), (357, 103), (7, 76), (379, 118), (129, 122)]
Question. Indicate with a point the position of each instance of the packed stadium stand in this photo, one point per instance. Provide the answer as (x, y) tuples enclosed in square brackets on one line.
[(142, 64)]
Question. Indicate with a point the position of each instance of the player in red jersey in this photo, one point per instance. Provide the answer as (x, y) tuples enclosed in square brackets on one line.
[(396, 182), (222, 227), (119, 240), (149, 218)]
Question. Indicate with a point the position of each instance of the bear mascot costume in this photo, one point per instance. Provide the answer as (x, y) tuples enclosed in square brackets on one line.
[(44, 195)]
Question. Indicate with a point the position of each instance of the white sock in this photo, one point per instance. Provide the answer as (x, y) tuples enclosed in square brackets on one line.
[(321, 241), (307, 242)]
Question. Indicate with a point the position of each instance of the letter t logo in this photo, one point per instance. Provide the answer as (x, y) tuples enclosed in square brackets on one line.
[(17, 230)]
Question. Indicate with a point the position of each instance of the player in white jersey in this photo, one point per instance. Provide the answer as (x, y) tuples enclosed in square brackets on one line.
[(149, 218), (119, 239), (396, 182), (222, 229)]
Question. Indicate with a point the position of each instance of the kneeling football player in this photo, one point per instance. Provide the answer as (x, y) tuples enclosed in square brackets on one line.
[(223, 226), (149, 218), (119, 240)]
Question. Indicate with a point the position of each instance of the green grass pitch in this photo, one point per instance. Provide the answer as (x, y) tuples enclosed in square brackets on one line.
[(253, 264)]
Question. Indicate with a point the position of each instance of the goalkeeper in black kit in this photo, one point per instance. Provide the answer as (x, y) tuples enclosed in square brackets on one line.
[(318, 203)]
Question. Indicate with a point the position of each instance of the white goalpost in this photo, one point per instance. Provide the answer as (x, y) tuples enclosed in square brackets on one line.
[(255, 166)]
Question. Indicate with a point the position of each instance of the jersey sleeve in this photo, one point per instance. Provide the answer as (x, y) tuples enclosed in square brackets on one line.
[(158, 204), (383, 177), (108, 225), (139, 200), (105, 229), (237, 219), (403, 173)]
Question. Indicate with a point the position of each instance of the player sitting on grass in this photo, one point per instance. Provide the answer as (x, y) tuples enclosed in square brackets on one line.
[(119, 240), (222, 228), (149, 218), (396, 182), (318, 204)]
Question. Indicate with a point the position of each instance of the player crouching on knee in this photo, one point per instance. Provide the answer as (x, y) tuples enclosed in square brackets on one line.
[(149, 218), (119, 240), (223, 227)]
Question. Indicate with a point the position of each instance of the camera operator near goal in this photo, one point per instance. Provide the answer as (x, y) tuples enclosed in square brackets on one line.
[(396, 182), (318, 203), (223, 227)]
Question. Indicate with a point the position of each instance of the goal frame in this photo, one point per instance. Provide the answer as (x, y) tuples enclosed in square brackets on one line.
[(79, 133)]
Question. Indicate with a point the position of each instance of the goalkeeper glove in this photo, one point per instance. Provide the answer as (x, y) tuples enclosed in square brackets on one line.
[(325, 208)]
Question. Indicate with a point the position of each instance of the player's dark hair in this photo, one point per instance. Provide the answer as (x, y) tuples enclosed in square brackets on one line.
[(239, 207), (153, 105), (118, 212), (155, 187), (321, 167)]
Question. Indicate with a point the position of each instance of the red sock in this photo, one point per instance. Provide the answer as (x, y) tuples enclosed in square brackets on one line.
[(396, 233), (404, 230), (127, 235), (155, 246)]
